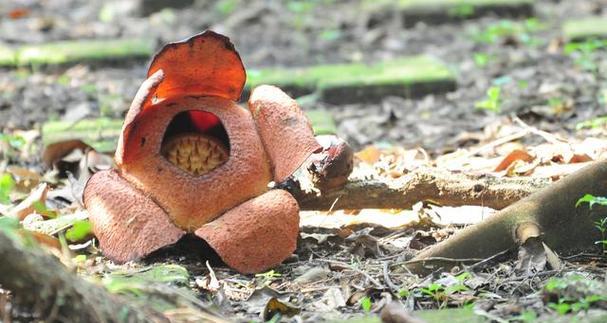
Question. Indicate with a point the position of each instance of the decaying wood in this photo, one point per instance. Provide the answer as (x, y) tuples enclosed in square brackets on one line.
[(424, 184), (42, 285), (563, 227)]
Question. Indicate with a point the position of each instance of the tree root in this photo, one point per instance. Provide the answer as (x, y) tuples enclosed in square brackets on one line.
[(550, 213), (42, 286)]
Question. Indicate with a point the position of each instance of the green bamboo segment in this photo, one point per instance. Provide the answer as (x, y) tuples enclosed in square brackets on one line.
[(440, 11), (7, 56), (413, 76), (322, 122), (101, 134), (76, 51), (585, 28)]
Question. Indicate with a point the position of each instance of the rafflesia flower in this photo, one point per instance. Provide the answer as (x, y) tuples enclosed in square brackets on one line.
[(190, 160)]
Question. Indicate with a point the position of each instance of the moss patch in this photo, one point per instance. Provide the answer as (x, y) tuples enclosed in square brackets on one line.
[(579, 29), (406, 76)]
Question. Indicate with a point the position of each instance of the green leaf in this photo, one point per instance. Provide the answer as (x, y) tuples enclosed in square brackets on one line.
[(561, 308), (43, 210), (7, 183), (403, 293), (365, 304), (456, 288), (432, 289), (80, 230), (555, 284), (481, 59), (592, 200), (463, 276), (492, 102), (494, 93)]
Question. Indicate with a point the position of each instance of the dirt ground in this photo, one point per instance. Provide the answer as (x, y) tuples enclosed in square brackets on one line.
[(333, 272), (287, 34)]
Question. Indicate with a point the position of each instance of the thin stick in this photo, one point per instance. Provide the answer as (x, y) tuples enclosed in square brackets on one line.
[(343, 264)]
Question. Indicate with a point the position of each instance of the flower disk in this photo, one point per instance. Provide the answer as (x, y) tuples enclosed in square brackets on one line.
[(195, 153)]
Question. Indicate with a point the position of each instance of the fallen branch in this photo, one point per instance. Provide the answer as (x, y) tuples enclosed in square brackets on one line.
[(550, 214), (42, 285), (424, 184)]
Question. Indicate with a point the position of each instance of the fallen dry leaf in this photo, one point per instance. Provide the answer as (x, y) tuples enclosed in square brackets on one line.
[(512, 157), (531, 257), (370, 154), (275, 307), (55, 152)]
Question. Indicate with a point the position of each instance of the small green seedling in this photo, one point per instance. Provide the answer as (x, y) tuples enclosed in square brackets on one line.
[(435, 291), (268, 276), (492, 101), (482, 59), (441, 293), (600, 224), (520, 31), (573, 294), (591, 200), (584, 53)]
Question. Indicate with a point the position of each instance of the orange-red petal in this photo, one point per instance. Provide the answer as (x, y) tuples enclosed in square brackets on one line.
[(256, 235), (285, 131), (127, 223), (205, 64), (142, 96)]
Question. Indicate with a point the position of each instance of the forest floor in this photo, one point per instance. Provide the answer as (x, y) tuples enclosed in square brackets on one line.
[(522, 79)]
